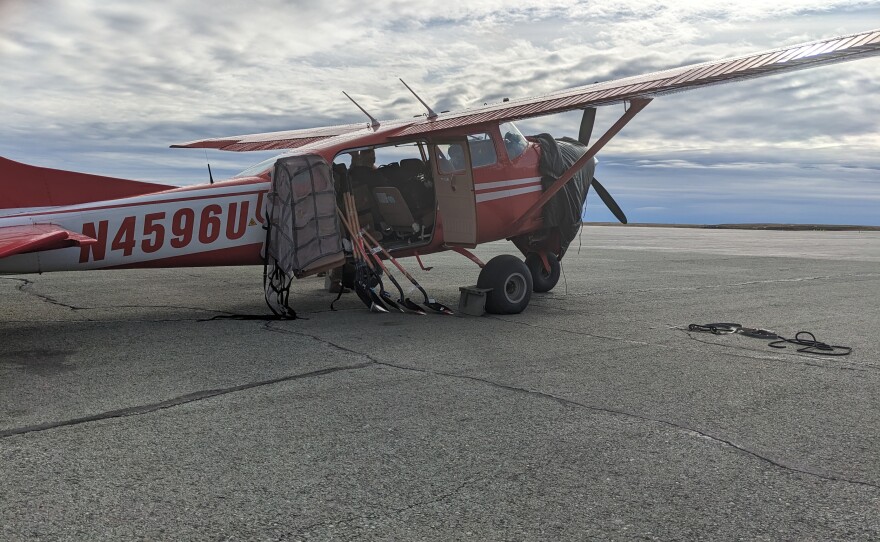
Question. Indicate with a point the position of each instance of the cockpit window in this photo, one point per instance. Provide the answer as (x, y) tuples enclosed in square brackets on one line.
[(450, 158), (482, 150), (514, 141)]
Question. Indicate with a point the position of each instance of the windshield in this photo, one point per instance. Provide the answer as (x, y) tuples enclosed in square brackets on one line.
[(514, 141), (257, 169)]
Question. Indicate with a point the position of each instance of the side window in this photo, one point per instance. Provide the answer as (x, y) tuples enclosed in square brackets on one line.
[(482, 150), (514, 141), (450, 158)]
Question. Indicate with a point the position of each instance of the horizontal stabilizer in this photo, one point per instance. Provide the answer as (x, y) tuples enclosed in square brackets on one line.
[(37, 238)]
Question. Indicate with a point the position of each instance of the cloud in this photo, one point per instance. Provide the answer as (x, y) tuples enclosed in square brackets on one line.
[(107, 86)]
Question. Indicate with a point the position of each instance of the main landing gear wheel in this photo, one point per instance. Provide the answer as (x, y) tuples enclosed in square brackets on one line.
[(511, 283), (543, 280)]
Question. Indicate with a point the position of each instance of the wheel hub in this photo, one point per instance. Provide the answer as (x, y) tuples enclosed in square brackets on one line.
[(515, 288)]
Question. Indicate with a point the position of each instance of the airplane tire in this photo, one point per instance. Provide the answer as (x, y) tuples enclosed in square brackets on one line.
[(511, 283), (541, 279)]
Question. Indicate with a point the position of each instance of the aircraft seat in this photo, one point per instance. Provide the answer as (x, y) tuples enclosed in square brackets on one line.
[(412, 181), (397, 215), (410, 167), (393, 208)]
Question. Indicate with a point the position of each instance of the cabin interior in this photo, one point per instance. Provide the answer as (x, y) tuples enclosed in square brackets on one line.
[(393, 191)]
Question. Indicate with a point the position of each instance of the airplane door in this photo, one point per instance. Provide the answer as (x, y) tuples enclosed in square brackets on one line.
[(454, 186)]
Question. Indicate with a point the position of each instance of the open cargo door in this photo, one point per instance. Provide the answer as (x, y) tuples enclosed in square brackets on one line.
[(303, 232), (454, 186)]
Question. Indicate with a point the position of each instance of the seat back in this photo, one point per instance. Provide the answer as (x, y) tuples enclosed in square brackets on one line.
[(392, 207), (410, 167)]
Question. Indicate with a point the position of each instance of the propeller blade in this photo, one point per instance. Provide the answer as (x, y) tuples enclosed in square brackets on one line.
[(584, 134), (587, 126), (608, 200)]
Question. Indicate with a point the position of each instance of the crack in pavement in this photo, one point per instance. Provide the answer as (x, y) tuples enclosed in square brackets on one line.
[(617, 412), (442, 497), (199, 395), (27, 285), (372, 361), (181, 307), (606, 410), (269, 327), (579, 333), (25, 288), (174, 402)]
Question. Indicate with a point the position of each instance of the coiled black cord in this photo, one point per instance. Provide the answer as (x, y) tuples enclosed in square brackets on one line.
[(806, 340), (812, 345)]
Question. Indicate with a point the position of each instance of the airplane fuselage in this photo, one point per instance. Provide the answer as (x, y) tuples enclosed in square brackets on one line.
[(222, 223)]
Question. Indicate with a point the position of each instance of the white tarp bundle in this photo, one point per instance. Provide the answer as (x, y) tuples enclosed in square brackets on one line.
[(303, 229)]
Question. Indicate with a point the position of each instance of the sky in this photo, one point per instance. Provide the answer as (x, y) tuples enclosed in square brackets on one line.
[(106, 86)]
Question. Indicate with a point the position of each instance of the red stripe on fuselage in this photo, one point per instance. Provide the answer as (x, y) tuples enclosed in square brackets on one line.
[(240, 255)]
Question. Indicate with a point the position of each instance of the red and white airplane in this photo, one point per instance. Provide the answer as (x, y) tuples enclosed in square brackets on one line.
[(442, 181)]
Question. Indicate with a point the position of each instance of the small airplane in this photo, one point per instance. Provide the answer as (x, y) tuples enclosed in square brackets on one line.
[(355, 196)]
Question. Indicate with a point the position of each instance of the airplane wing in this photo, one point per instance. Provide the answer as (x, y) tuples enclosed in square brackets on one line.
[(289, 139), (785, 59), (38, 237), (782, 60)]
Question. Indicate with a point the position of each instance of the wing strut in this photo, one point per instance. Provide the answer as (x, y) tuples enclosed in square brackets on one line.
[(636, 105)]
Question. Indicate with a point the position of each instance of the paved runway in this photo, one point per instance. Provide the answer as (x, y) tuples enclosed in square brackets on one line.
[(126, 412)]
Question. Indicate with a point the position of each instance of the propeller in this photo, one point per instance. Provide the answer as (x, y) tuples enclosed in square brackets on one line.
[(608, 201), (587, 126), (587, 121)]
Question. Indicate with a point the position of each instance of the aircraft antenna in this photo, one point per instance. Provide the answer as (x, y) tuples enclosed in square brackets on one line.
[(373, 122), (210, 175), (431, 113)]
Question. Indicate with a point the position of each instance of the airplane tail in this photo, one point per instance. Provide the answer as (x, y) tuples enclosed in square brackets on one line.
[(25, 187)]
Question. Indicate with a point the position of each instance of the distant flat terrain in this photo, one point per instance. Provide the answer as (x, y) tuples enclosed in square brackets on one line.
[(128, 411), (768, 226)]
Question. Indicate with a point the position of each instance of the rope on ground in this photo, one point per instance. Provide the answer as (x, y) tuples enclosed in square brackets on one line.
[(806, 340), (811, 345)]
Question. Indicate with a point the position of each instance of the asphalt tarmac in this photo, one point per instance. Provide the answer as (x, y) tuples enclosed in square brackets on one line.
[(127, 411)]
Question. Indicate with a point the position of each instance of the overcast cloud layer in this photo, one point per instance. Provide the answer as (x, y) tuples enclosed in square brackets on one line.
[(105, 87)]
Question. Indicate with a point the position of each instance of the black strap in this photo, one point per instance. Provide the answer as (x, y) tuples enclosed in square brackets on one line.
[(341, 290), (806, 340), (811, 345), (277, 276)]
